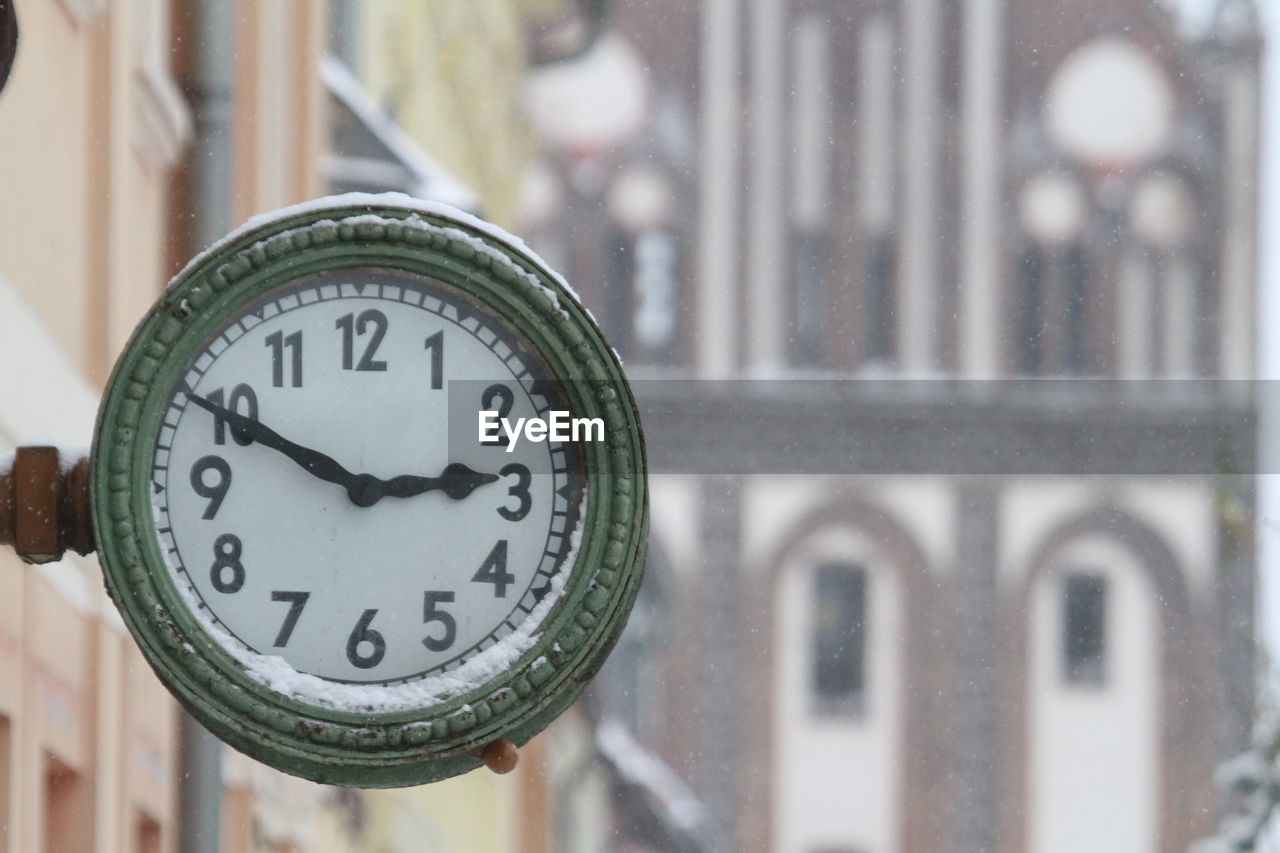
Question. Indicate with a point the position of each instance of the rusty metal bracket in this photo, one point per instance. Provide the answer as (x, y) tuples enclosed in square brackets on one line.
[(44, 505)]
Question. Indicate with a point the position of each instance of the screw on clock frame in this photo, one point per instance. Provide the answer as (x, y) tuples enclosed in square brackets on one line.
[(500, 756), (44, 512)]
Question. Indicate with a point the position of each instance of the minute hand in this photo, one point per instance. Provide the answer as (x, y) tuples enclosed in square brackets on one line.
[(313, 461)]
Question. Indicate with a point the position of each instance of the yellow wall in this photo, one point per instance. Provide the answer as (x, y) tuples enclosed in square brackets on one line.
[(471, 812), (450, 74)]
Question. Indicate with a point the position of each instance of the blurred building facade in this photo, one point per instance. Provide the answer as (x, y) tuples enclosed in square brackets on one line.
[(905, 660), (932, 652), (107, 108), (92, 124)]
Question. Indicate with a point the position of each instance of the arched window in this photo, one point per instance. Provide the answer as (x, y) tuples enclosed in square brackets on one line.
[(845, 656), (838, 642), (1094, 645), (1084, 628)]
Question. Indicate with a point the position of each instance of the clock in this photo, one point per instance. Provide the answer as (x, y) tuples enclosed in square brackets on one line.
[(318, 546)]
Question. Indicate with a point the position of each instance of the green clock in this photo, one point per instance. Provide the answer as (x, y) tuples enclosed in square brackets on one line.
[(317, 543)]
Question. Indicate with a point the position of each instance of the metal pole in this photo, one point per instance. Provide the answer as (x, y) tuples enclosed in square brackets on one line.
[(213, 54)]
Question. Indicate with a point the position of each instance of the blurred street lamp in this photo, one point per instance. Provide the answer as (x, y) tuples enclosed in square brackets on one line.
[(1109, 105), (1052, 208), (640, 198), (1161, 210), (591, 104)]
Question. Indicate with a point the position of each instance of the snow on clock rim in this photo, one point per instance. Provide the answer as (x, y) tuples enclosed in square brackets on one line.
[(275, 673), (399, 201)]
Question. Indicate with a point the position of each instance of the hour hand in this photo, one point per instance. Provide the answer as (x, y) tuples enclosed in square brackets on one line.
[(313, 461), (456, 481)]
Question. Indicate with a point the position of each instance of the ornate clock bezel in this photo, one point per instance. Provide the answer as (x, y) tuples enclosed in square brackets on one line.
[(374, 749)]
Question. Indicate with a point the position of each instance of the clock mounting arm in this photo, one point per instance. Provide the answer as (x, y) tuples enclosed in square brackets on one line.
[(44, 504)]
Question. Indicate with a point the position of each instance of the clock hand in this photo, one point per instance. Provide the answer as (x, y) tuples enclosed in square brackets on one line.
[(313, 461), (457, 481)]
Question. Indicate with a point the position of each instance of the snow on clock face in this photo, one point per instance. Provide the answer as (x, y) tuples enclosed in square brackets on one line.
[(313, 503)]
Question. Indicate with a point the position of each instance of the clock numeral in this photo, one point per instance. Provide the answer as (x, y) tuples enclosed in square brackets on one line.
[(364, 634), (240, 393), (353, 326), (494, 570), (226, 555), (297, 600), (435, 343), (216, 491), (505, 398), (430, 613), (520, 491), (278, 341)]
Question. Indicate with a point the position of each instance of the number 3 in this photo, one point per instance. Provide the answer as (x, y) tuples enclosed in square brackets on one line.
[(519, 490)]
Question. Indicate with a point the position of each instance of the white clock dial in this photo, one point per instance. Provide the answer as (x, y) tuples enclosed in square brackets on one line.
[(312, 501)]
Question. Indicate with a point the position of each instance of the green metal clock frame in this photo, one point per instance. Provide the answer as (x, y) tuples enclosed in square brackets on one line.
[(344, 747)]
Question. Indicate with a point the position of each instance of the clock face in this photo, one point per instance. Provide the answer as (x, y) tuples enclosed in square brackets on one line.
[(314, 503)]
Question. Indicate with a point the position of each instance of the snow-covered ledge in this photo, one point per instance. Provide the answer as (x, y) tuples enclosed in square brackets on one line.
[(161, 123)]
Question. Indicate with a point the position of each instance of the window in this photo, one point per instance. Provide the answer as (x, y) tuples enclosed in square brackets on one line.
[(811, 180), (839, 639), (148, 834), (1077, 280), (808, 301), (1084, 628), (619, 265), (881, 303), (68, 812), (656, 284), (1054, 284)]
